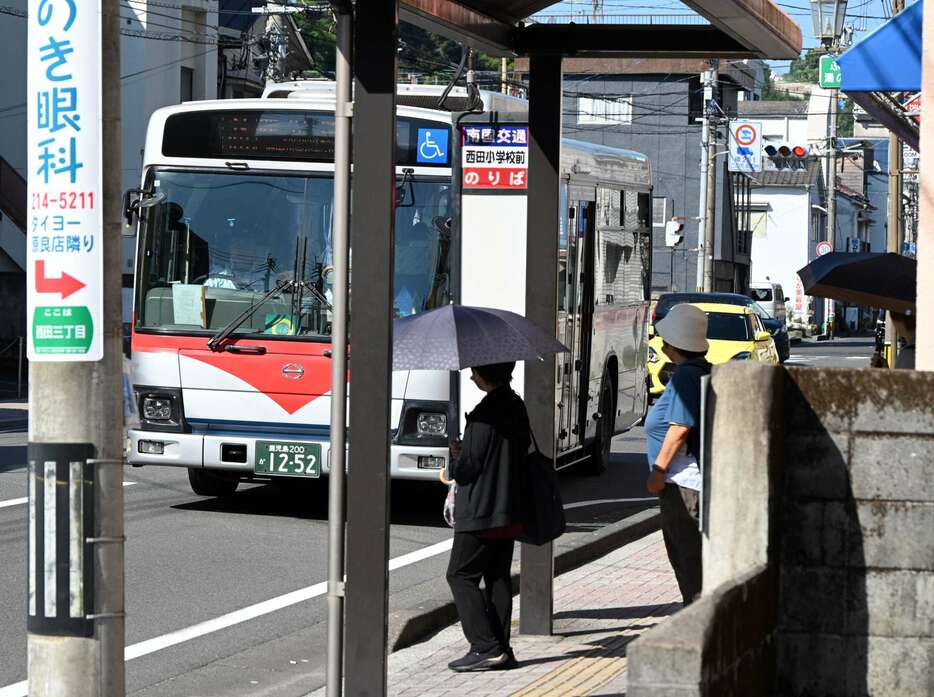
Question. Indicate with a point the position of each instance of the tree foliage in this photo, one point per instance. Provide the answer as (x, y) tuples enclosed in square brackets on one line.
[(419, 51), (805, 68)]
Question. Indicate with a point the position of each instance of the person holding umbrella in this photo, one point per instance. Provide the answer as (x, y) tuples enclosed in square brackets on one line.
[(489, 514), (489, 465), (673, 443)]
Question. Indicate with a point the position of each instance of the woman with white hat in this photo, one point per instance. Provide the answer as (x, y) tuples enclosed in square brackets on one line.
[(672, 432)]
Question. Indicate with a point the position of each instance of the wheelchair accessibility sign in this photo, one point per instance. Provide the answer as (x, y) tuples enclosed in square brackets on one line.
[(432, 145)]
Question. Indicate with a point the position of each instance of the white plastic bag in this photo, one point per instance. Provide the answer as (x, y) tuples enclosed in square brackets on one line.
[(449, 504)]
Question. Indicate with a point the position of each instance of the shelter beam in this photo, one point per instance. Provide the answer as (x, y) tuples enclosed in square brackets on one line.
[(372, 242), (636, 41)]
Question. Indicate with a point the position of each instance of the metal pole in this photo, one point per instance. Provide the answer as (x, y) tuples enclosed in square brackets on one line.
[(502, 75), (895, 231), (541, 292), (702, 206), (831, 201), (372, 240), (711, 190), (340, 242), (87, 399)]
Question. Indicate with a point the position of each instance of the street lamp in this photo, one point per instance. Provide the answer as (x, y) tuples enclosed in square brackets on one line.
[(828, 16)]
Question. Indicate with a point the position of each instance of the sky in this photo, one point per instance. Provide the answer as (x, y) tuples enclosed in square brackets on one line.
[(862, 15)]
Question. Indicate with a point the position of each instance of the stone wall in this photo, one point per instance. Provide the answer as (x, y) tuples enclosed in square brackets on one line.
[(856, 582), (845, 526)]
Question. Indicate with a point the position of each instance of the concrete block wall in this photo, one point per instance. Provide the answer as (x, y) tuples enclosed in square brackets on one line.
[(843, 603), (856, 557)]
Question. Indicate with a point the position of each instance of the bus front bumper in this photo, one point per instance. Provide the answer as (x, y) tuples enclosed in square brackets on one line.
[(208, 451)]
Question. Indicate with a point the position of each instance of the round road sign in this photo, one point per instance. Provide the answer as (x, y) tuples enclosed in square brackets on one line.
[(824, 248), (745, 134)]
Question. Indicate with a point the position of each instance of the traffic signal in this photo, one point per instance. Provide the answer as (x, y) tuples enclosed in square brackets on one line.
[(787, 157)]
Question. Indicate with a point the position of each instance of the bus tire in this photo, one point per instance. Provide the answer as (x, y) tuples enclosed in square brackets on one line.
[(209, 483), (599, 458)]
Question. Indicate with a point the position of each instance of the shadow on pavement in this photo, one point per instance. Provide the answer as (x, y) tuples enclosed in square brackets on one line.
[(412, 503), (12, 457), (620, 613)]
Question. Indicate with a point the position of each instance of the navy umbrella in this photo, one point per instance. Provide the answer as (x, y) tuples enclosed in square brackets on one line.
[(454, 337), (887, 281)]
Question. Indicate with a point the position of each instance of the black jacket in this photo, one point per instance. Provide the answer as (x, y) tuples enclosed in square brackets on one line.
[(489, 471)]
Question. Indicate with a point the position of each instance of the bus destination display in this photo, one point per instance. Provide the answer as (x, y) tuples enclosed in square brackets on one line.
[(297, 136)]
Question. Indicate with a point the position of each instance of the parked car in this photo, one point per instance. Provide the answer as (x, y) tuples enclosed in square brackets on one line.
[(777, 328), (771, 297), (735, 333)]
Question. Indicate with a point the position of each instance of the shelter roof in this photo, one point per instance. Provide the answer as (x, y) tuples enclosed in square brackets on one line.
[(737, 28)]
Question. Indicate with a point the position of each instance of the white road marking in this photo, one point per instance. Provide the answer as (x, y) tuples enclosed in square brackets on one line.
[(24, 500), (597, 502), (243, 614)]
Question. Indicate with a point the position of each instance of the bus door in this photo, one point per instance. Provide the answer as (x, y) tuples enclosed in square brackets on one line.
[(574, 317)]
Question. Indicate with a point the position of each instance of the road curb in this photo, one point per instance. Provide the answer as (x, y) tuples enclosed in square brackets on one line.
[(415, 623)]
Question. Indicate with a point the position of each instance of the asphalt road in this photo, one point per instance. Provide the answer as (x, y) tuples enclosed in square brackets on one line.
[(191, 559), (840, 353)]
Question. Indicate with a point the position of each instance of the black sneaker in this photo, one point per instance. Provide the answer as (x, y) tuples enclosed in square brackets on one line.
[(510, 663), (474, 661)]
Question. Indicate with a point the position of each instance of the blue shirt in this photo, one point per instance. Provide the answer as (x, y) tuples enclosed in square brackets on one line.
[(679, 404)]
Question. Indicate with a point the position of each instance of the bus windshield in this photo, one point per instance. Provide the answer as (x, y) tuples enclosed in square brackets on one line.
[(220, 241)]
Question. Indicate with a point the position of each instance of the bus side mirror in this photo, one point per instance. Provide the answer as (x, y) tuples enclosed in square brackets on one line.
[(131, 198), (133, 201)]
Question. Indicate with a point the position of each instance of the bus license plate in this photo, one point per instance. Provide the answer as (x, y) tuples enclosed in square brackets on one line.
[(288, 459)]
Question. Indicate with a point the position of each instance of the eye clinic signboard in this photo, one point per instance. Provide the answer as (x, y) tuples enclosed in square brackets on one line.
[(64, 244)]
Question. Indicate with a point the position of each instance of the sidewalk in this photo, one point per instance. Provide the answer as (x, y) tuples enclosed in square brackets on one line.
[(599, 609)]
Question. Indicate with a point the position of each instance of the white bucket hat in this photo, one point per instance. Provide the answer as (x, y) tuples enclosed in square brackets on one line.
[(685, 328)]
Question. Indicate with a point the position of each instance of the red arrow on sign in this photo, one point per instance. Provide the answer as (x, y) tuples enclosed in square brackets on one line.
[(65, 284)]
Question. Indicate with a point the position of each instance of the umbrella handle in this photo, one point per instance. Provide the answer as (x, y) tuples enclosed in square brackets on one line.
[(444, 480)]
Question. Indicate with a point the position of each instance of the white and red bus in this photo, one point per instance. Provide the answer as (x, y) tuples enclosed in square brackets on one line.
[(231, 320)]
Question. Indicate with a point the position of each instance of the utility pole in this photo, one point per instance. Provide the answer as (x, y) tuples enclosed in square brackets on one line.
[(831, 233), (502, 75), (895, 232), (710, 191), (75, 606), (340, 238), (704, 167), (278, 37)]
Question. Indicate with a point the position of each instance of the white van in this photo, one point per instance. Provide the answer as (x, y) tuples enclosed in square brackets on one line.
[(771, 297)]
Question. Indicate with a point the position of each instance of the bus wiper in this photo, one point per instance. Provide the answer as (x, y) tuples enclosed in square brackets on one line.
[(319, 296), (216, 342)]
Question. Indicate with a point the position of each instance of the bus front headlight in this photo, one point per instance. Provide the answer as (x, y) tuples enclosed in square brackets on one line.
[(429, 424)]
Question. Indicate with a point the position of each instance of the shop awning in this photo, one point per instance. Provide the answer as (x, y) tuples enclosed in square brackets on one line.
[(884, 69)]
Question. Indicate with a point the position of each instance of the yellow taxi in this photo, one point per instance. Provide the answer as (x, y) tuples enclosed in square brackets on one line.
[(735, 333)]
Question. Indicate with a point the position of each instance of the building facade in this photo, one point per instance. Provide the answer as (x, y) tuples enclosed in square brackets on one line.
[(655, 107)]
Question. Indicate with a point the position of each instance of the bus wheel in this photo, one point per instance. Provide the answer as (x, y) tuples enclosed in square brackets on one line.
[(599, 458), (207, 483)]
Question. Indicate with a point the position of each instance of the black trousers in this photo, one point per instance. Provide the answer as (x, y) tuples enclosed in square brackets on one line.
[(679, 510), (486, 615)]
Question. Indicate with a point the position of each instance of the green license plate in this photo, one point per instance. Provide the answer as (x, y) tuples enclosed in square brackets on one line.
[(288, 459)]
